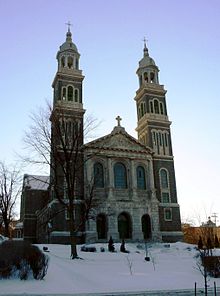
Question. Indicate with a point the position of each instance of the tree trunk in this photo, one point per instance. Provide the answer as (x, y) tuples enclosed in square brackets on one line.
[(73, 254), (6, 231)]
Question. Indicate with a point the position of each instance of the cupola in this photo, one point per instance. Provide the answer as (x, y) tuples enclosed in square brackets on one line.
[(147, 71), (68, 55)]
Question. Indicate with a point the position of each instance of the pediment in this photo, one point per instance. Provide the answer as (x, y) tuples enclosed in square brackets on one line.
[(119, 139)]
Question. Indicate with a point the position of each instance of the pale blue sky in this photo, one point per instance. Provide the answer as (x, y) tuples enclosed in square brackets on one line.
[(183, 38)]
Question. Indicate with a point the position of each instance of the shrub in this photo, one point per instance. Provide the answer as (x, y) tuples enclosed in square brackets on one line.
[(212, 265), (20, 258)]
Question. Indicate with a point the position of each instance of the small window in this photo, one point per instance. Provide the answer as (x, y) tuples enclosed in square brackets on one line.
[(152, 77), (98, 175), (77, 63), (76, 95), (161, 108), (64, 93), (63, 61), (165, 197), (164, 179), (151, 107), (156, 106), (167, 214), (146, 77), (70, 62), (70, 93), (120, 176), (141, 182)]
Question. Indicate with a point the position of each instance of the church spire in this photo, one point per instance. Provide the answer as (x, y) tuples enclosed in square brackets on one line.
[(68, 34), (146, 53)]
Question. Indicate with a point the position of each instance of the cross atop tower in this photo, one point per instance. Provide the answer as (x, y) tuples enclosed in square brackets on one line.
[(118, 118), (145, 40), (69, 25)]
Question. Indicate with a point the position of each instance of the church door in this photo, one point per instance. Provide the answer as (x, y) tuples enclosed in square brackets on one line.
[(101, 225), (146, 226), (124, 226)]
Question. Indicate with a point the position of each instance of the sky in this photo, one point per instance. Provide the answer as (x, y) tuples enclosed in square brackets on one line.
[(184, 40)]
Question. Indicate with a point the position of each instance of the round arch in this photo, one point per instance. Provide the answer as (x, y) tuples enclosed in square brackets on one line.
[(124, 226)]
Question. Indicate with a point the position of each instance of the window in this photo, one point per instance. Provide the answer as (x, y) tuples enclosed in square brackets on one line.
[(63, 61), (161, 108), (164, 179), (98, 175), (167, 214), (76, 95), (151, 107), (120, 176), (77, 63), (64, 93), (165, 197), (70, 93), (70, 62), (141, 183), (156, 106)]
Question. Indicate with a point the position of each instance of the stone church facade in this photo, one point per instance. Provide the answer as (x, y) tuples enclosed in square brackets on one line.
[(134, 187)]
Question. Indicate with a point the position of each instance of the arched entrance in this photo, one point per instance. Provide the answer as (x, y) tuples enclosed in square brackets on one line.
[(101, 226), (146, 226), (124, 226)]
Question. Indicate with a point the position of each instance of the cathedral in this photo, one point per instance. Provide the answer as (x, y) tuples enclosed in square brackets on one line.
[(134, 184)]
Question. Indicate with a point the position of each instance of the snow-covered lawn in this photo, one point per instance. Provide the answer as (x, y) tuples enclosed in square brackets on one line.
[(171, 267)]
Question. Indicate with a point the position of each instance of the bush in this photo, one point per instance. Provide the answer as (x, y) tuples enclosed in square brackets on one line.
[(20, 258), (212, 265)]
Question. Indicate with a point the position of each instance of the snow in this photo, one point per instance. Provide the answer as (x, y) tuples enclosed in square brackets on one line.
[(172, 266)]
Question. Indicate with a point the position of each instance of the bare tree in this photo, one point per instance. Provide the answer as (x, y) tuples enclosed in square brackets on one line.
[(55, 139), (9, 192)]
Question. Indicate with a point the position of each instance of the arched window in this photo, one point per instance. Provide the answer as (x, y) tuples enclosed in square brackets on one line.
[(168, 214), (164, 179), (161, 108), (76, 95), (77, 63), (141, 182), (145, 76), (140, 80), (164, 183), (70, 93), (151, 107), (124, 226), (98, 175), (64, 93), (120, 176), (70, 62), (101, 226), (152, 77), (63, 61), (156, 106)]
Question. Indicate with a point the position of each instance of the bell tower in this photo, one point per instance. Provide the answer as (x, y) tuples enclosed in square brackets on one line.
[(153, 128)]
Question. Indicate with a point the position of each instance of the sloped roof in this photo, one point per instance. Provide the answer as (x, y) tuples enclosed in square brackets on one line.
[(119, 139), (36, 182)]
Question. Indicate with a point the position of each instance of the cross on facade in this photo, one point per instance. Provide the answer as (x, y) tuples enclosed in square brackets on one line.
[(69, 25), (118, 118)]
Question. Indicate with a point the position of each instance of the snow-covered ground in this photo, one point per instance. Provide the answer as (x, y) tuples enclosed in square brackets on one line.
[(171, 267)]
